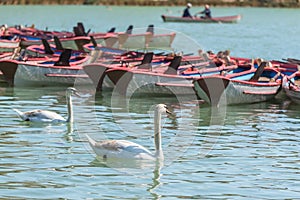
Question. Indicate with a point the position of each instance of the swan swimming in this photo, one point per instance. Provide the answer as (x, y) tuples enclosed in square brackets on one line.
[(126, 149), (49, 116)]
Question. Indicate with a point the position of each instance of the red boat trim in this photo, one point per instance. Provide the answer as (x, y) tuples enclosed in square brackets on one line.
[(68, 75), (174, 85), (259, 93)]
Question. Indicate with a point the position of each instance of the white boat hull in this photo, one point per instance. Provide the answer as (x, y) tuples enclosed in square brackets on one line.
[(222, 91), (128, 82), (8, 46), (32, 75), (291, 89)]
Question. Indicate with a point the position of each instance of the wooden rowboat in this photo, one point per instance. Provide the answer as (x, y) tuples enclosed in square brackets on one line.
[(291, 86), (170, 78), (263, 85), (224, 19), (44, 71)]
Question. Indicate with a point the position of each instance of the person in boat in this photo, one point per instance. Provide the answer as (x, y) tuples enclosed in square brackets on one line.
[(186, 12), (206, 12)]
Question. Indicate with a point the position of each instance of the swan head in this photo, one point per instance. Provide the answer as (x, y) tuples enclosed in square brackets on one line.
[(162, 108), (72, 91)]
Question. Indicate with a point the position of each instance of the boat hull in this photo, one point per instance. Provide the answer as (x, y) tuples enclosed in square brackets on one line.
[(139, 82), (294, 95), (97, 74), (32, 75), (291, 87), (8, 46), (219, 90), (22, 74)]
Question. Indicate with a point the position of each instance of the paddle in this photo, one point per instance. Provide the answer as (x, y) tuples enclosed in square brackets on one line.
[(207, 18), (94, 41), (258, 71), (288, 79), (292, 60)]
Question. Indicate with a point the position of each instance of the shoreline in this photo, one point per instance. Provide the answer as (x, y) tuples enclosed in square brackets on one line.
[(213, 3)]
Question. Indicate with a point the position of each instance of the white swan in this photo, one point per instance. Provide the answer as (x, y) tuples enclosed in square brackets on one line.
[(129, 150), (49, 116)]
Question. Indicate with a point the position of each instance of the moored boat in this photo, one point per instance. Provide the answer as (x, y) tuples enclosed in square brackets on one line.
[(264, 84), (291, 86), (169, 78), (45, 71)]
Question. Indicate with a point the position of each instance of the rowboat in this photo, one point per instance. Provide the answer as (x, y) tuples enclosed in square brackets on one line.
[(224, 19), (145, 41), (127, 80), (291, 86), (264, 84), (153, 79), (73, 40), (44, 71)]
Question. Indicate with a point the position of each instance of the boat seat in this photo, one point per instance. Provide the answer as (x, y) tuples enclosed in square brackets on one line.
[(146, 62), (264, 79), (94, 42), (58, 44), (64, 58), (47, 47), (150, 29), (112, 30), (129, 29), (173, 66)]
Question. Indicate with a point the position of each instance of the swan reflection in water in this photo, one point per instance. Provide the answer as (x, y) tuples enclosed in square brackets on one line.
[(137, 168)]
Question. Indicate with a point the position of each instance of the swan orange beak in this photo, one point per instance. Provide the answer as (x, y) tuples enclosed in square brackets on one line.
[(77, 94)]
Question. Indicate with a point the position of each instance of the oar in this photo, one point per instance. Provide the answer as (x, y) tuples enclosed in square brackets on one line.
[(292, 60), (212, 19), (289, 80)]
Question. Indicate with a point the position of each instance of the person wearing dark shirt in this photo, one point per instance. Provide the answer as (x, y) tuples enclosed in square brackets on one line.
[(186, 12), (206, 12)]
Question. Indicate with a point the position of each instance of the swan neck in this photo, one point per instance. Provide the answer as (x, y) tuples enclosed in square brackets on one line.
[(70, 108), (157, 133)]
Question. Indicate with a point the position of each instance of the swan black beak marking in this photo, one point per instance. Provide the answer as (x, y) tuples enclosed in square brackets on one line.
[(167, 111)]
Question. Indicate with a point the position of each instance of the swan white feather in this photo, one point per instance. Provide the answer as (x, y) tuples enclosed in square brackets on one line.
[(49, 116), (129, 150)]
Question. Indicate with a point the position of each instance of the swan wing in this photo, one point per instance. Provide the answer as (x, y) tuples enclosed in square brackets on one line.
[(125, 149), (132, 147), (40, 116), (120, 149)]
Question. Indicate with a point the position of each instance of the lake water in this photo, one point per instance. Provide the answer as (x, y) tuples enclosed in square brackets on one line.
[(235, 152)]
